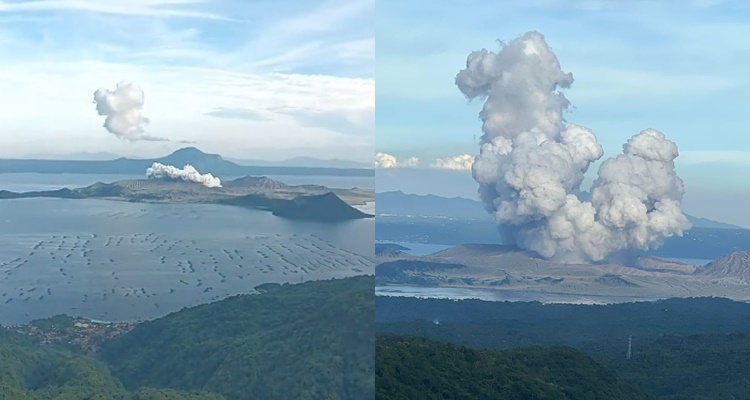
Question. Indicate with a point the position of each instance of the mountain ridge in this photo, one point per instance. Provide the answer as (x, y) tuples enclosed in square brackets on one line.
[(400, 203), (736, 264), (203, 162), (299, 161)]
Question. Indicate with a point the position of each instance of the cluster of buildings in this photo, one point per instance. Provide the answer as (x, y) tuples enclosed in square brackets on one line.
[(85, 333)]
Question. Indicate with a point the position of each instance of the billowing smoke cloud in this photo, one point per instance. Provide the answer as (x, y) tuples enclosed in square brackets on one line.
[(456, 163), (188, 173), (532, 163), (383, 160), (122, 107)]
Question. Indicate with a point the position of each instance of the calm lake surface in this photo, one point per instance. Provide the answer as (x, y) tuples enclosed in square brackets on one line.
[(111, 260), (500, 295), (420, 249)]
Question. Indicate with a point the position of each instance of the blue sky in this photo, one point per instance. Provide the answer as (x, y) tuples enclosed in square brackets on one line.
[(247, 79), (675, 66)]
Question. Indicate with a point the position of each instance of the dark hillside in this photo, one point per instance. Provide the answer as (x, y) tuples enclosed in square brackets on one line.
[(417, 369)]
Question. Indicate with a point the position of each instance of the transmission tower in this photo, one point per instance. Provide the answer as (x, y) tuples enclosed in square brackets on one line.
[(630, 348)]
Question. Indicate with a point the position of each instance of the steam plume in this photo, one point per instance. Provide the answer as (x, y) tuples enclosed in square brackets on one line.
[(532, 163), (122, 107), (188, 173)]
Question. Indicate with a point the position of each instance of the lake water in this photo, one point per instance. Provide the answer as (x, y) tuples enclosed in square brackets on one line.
[(420, 249), (111, 260), (500, 295)]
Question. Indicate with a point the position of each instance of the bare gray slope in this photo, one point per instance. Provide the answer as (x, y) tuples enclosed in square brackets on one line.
[(511, 269), (736, 264)]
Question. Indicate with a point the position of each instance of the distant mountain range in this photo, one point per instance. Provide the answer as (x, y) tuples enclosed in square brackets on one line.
[(303, 162), (203, 162), (400, 203)]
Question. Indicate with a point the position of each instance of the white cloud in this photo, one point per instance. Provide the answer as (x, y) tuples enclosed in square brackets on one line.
[(461, 162), (160, 8), (201, 84), (411, 162), (384, 160)]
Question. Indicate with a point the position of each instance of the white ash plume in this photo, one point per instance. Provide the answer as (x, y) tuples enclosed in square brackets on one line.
[(188, 173), (122, 107), (532, 163)]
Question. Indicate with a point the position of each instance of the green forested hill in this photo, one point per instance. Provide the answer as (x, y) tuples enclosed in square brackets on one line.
[(415, 369), (309, 341), (708, 366), (31, 371), (682, 349)]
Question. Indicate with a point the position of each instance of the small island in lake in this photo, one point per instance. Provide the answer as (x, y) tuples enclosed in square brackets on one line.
[(300, 202)]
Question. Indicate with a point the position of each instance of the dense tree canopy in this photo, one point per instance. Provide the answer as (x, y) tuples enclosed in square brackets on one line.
[(683, 349), (309, 341), (415, 369), (32, 371)]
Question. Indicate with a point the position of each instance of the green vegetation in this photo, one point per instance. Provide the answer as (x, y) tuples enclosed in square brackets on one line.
[(490, 324), (694, 367), (683, 349), (31, 371), (414, 369), (308, 341)]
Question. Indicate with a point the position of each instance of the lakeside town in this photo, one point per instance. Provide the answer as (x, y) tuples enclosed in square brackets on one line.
[(83, 333)]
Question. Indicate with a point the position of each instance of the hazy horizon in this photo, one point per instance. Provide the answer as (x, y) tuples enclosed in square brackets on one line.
[(103, 156)]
